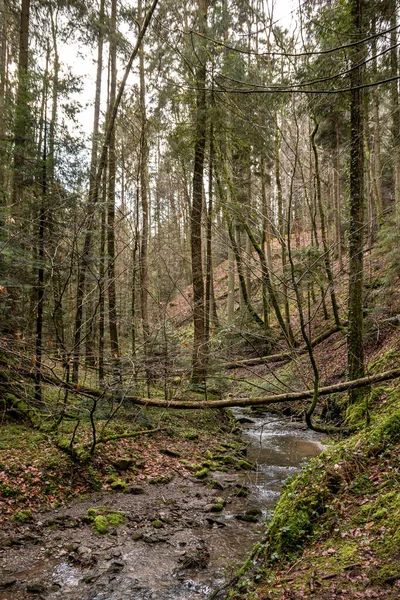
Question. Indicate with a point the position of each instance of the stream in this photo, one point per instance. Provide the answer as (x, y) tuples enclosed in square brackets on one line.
[(192, 552)]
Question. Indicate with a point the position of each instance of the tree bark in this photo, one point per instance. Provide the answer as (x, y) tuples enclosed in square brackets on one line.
[(355, 344), (22, 107), (111, 284), (199, 349)]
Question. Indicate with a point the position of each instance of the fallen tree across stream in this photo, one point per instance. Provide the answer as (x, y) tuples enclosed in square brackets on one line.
[(182, 404)]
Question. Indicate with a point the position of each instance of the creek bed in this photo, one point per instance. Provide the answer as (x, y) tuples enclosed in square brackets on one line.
[(74, 563)]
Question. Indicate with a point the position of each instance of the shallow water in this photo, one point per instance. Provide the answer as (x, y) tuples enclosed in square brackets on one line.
[(119, 568)]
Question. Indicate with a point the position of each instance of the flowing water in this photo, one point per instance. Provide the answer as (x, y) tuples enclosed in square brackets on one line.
[(125, 569)]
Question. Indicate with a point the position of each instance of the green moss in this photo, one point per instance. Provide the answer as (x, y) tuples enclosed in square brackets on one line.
[(386, 575), (202, 473), (157, 524), (23, 516), (119, 485), (100, 524), (191, 435), (390, 428), (116, 518), (102, 518), (218, 505), (161, 479)]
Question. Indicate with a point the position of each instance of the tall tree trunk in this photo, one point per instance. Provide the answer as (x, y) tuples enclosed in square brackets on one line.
[(338, 212), (22, 107), (199, 349), (281, 225), (112, 297), (209, 270), (144, 197), (89, 333), (3, 87), (395, 108), (102, 283), (355, 343)]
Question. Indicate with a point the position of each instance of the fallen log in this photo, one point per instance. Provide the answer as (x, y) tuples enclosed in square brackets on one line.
[(230, 402), (286, 355)]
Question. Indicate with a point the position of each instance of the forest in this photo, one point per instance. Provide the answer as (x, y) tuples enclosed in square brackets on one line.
[(199, 299)]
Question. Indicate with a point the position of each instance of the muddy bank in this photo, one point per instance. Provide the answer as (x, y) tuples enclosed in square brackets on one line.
[(171, 545)]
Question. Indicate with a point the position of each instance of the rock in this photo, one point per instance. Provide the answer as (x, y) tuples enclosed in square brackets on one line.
[(157, 524), (90, 578), (244, 420), (35, 588), (217, 505), (136, 490), (251, 516), (168, 452), (6, 583), (138, 535), (123, 464), (116, 566)]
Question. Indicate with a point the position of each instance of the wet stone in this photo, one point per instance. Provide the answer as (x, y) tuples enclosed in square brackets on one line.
[(35, 588), (116, 566)]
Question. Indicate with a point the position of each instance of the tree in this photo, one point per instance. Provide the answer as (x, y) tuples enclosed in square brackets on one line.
[(355, 345), (199, 346)]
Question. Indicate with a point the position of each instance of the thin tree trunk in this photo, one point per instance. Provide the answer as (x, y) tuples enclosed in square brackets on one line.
[(395, 102), (3, 87), (112, 115), (327, 261), (22, 107), (355, 344), (281, 223), (112, 297), (144, 197), (242, 282)]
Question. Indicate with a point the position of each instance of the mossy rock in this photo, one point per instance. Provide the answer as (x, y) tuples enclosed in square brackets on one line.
[(163, 479), (191, 435), (244, 465), (216, 485), (218, 505), (100, 524), (252, 515), (119, 485), (202, 473), (241, 492), (157, 524), (102, 519)]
